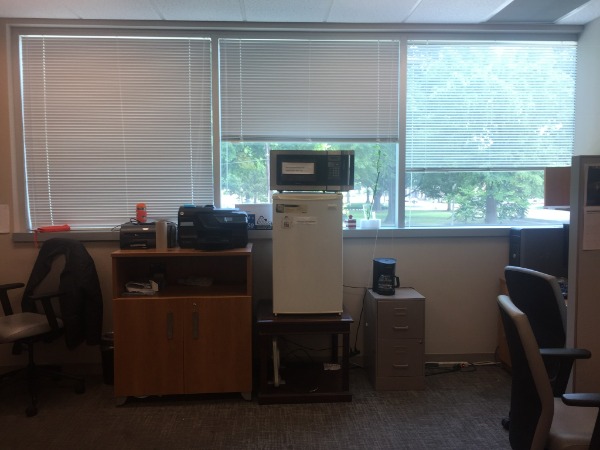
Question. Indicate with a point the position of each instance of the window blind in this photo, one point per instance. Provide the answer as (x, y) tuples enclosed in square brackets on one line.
[(113, 121), (492, 105), (286, 90)]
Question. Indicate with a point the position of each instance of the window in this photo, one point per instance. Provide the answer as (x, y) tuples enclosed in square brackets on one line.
[(112, 121), (446, 133), (299, 94), (483, 120)]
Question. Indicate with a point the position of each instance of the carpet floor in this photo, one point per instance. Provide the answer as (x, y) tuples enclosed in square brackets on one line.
[(457, 410)]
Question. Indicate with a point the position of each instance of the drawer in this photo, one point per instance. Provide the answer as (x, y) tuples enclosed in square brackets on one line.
[(400, 358), (400, 319)]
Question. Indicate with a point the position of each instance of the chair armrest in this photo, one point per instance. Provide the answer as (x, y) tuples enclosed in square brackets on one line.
[(11, 286), (586, 400), (572, 353), (559, 362), (4, 300), (581, 399), (46, 301)]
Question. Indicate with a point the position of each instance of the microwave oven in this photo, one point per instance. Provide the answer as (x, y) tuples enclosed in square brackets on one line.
[(312, 170)]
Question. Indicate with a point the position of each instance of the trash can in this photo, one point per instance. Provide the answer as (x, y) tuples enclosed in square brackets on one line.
[(107, 349)]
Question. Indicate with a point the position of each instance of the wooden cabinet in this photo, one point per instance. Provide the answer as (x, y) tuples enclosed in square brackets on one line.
[(395, 340), (186, 338)]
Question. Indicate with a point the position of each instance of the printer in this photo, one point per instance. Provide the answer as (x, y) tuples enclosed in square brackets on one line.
[(210, 228), (143, 235)]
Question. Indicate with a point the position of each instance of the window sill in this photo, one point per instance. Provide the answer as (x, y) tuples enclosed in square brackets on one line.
[(455, 232), (85, 236)]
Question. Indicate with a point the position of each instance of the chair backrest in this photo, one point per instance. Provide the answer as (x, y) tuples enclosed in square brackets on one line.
[(539, 296), (531, 400)]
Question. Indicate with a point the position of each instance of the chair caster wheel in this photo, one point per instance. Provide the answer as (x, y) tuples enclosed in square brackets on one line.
[(31, 411)]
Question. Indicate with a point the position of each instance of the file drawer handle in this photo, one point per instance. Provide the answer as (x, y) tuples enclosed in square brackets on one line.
[(400, 366), (404, 328)]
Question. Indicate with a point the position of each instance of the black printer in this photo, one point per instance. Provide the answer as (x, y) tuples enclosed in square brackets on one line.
[(210, 228)]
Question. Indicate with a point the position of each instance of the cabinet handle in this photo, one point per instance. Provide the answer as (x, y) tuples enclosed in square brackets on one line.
[(404, 328), (400, 366), (195, 324), (400, 311), (170, 325)]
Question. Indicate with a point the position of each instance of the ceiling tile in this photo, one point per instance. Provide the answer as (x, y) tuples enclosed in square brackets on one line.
[(381, 11), (455, 11), (287, 10), (32, 9), (201, 10), (113, 9)]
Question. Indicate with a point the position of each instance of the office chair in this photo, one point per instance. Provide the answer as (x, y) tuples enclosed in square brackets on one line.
[(539, 296), (538, 419), (64, 266)]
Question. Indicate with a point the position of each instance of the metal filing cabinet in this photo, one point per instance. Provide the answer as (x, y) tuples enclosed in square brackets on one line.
[(395, 340)]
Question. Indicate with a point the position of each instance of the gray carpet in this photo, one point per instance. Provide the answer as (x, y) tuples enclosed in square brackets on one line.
[(458, 410)]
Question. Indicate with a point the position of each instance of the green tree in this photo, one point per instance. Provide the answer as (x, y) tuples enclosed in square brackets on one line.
[(491, 197), (374, 172), (244, 171)]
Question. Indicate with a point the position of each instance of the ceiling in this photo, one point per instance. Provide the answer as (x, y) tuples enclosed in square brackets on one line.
[(567, 12)]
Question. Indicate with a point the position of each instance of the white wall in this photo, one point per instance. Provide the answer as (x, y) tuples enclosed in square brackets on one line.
[(459, 276)]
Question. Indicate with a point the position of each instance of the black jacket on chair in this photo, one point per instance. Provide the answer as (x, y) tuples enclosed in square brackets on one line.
[(81, 306)]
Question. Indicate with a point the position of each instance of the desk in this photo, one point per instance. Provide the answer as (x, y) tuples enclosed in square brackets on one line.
[(306, 383)]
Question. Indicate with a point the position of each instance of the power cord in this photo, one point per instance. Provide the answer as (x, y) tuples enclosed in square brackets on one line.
[(355, 351)]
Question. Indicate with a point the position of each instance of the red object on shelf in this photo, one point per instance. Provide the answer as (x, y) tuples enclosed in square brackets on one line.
[(54, 228)]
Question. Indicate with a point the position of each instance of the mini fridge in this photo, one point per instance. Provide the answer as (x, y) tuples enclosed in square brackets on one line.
[(307, 253)]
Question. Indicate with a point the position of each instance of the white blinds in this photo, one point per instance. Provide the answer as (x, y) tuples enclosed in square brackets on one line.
[(301, 90), (493, 105), (112, 121)]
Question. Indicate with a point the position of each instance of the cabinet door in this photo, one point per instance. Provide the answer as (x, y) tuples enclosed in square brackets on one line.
[(148, 346), (218, 344)]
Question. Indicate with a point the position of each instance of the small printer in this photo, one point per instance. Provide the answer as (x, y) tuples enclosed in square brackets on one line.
[(210, 228), (143, 235)]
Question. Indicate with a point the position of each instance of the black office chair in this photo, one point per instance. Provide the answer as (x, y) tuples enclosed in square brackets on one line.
[(540, 297), (538, 419), (73, 309)]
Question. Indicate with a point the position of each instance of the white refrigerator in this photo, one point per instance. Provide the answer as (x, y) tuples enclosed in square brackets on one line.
[(307, 253)]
